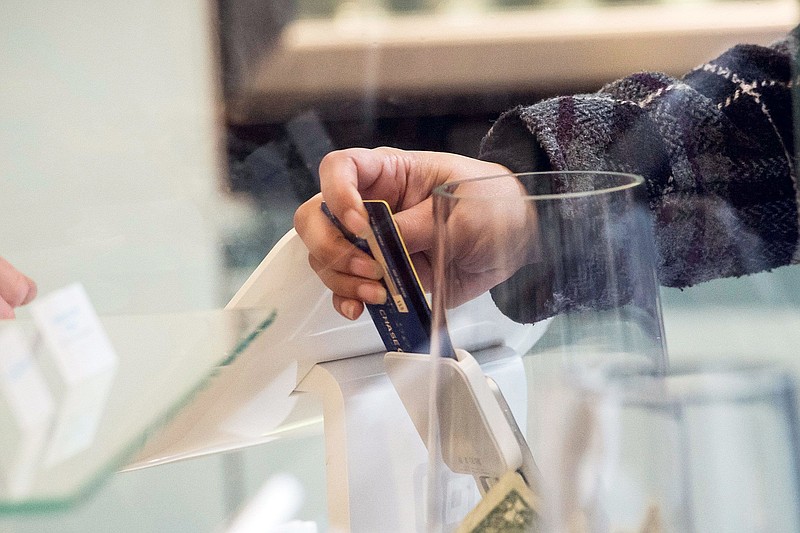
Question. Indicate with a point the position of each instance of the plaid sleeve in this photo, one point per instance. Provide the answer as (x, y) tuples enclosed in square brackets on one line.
[(716, 149)]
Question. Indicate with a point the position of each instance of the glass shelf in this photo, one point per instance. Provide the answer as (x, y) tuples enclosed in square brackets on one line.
[(162, 361)]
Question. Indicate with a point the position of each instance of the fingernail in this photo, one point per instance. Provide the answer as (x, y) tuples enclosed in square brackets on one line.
[(349, 309), (372, 293)]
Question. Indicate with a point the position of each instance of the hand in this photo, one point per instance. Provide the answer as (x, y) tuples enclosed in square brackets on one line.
[(405, 180), (15, 289)]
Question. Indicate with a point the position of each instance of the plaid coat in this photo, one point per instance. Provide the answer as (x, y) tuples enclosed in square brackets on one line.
[(716, 148)]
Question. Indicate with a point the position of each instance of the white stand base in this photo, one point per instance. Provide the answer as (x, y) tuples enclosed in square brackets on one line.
[(376, 461)]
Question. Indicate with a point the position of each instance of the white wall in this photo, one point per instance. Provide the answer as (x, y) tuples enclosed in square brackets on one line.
[(109, 162)]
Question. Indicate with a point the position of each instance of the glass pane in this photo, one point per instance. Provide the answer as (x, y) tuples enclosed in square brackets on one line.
[(115, 183)]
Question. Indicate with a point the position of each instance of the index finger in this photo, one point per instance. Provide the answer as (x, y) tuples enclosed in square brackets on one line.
[(342, 174), (15, 288)]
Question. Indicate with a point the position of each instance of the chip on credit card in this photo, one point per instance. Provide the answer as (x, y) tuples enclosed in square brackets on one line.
[(404, 320)]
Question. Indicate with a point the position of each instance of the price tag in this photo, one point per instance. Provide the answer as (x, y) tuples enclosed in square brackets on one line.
[(21, 380), (26, 411), (83, 363), (73, 333)]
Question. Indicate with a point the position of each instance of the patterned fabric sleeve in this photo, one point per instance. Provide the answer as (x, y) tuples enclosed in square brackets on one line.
[(716, 149)]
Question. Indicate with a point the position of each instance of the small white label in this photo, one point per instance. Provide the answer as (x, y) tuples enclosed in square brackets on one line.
[(85, 361), (73, 333), (21, 380), (27, 414)]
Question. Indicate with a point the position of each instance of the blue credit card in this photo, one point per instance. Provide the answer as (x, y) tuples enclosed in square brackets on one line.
[(404, 320)]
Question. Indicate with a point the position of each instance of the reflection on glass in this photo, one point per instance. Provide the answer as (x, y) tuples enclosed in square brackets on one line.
[(574, 249), (703, 448)]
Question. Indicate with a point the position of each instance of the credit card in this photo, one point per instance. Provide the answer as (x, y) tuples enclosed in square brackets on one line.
[(404, 320)]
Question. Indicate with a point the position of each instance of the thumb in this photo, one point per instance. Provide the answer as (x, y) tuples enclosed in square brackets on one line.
[(416, 227)]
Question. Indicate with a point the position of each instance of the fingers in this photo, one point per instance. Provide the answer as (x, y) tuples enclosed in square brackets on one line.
[(320, 236), (348, 307), (342, 174), (328, 247), (347, 285), (404, 179), (352, 275), (16, 289), (415, 225)]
